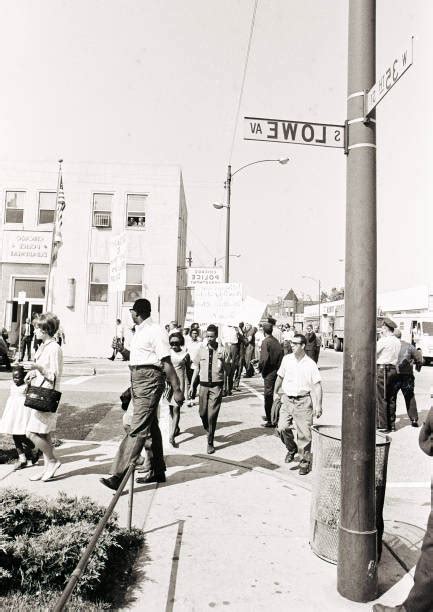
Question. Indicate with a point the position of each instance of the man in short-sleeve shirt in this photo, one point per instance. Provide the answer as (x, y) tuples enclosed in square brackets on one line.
[(149, 364), (300, 380), (387, 352), (209, 364)]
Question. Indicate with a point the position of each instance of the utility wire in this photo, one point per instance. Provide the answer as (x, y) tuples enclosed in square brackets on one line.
[(253, 20)]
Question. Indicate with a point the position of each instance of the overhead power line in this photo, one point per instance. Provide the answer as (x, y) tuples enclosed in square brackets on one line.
[(253, 20)]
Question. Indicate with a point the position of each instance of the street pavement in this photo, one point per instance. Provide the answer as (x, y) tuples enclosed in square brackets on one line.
[(231, 530)]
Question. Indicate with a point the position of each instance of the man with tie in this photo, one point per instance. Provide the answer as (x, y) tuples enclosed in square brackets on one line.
[(26, 340)]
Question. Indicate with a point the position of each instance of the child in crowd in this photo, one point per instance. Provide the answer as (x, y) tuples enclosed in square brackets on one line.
[(15, 419)]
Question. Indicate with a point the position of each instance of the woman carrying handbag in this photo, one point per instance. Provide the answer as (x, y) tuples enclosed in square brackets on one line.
[(45, 371)]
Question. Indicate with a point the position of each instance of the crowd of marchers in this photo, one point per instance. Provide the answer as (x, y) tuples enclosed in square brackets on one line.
[(178, 363)]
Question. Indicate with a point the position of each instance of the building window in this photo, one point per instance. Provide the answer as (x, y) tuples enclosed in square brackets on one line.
[(34, 288), (98, 282), (134, 283), (136, 210), (102, 203), (15, 206), (47, 207)]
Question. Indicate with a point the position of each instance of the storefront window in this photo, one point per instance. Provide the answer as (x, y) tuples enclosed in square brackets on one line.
[(134, 283), (98, 282), (136, 210), (47, 207), (15, 206)]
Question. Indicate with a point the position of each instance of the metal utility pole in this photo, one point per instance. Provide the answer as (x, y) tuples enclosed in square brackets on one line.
[(189, 259), (357, 556), (229, 192)]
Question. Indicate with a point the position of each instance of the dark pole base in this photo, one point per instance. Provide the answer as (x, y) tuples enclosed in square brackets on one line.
[(357, 580)]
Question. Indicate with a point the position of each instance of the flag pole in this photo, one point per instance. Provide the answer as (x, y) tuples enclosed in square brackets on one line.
[(50, 268)]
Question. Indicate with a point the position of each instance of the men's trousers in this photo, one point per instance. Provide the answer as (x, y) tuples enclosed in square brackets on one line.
[(209, 403), (230, 367), (406, 384), (300, 410), (420, 598), (385, 396), (26, 344), (249, 354), (147, 386), (268, 392)]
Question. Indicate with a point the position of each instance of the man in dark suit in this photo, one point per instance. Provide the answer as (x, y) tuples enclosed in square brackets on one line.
[(271, 354), (311, 346), (26, 340)]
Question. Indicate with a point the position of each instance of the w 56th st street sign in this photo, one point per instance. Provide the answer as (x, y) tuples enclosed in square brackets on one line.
[(294, 132)]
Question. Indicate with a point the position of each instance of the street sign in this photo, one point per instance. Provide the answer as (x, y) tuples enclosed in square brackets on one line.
[(204, 276), (21, 297), (389, 77), (117, 274), (294, 132)]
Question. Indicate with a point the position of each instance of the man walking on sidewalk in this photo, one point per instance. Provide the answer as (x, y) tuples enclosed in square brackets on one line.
[(405, 381), (209, 365), (271, 355), (300, 380), (150, 364)]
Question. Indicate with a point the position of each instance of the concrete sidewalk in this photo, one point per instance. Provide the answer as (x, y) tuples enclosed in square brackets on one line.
[(229, 530)]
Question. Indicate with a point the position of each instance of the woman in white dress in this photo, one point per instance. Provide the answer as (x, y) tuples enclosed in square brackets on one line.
[(16, 417), (45, 371)]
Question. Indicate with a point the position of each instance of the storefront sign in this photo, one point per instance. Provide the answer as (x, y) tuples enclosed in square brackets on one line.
[(219, 304), (204, 276), (26, 247)]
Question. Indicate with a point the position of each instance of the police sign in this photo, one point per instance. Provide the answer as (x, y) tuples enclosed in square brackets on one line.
[(294, 132), (204, 276)]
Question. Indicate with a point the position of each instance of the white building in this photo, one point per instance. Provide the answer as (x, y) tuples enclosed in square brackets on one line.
[(146, 203)]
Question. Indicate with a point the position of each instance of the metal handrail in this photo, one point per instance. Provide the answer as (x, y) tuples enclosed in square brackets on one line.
[(82, 564)]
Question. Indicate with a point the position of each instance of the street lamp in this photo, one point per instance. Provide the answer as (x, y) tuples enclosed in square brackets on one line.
[(230, 175), (316, 280), (215, 261)]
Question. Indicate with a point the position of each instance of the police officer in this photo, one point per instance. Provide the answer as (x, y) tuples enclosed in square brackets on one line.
[(388, 349)]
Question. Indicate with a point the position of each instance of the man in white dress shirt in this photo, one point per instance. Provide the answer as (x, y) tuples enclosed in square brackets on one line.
[(388, 349), (300, 380), (150, 364)]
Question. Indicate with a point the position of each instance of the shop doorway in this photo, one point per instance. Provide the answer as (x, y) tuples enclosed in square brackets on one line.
[(19, 314)]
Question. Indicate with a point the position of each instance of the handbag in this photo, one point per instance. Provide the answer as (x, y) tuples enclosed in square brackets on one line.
[(42, 398)]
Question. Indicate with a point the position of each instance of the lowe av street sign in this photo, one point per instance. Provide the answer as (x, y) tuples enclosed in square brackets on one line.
[(294, 132)]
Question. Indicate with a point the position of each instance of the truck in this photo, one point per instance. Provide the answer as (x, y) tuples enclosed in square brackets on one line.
[(417, 329)]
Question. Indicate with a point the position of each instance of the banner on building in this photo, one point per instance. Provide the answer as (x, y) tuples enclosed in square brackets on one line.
[(203, 276), (220, 303), (26, 247), (117, 274)]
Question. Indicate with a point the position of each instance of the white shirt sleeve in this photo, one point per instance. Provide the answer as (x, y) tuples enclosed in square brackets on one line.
[(282, 370), (162, 345)]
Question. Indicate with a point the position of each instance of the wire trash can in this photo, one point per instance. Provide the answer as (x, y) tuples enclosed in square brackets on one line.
[(326, 491)]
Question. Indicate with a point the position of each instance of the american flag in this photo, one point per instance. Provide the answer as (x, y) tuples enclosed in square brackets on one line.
[(60, 207)]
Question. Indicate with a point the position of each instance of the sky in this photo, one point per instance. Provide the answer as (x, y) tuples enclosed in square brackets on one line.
[(159, 81)]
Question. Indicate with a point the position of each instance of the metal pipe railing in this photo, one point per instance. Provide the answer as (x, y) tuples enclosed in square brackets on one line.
[(82, 564)]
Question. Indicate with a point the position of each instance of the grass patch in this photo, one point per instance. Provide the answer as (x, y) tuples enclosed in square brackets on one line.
[(76, 423), (41, 542)]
